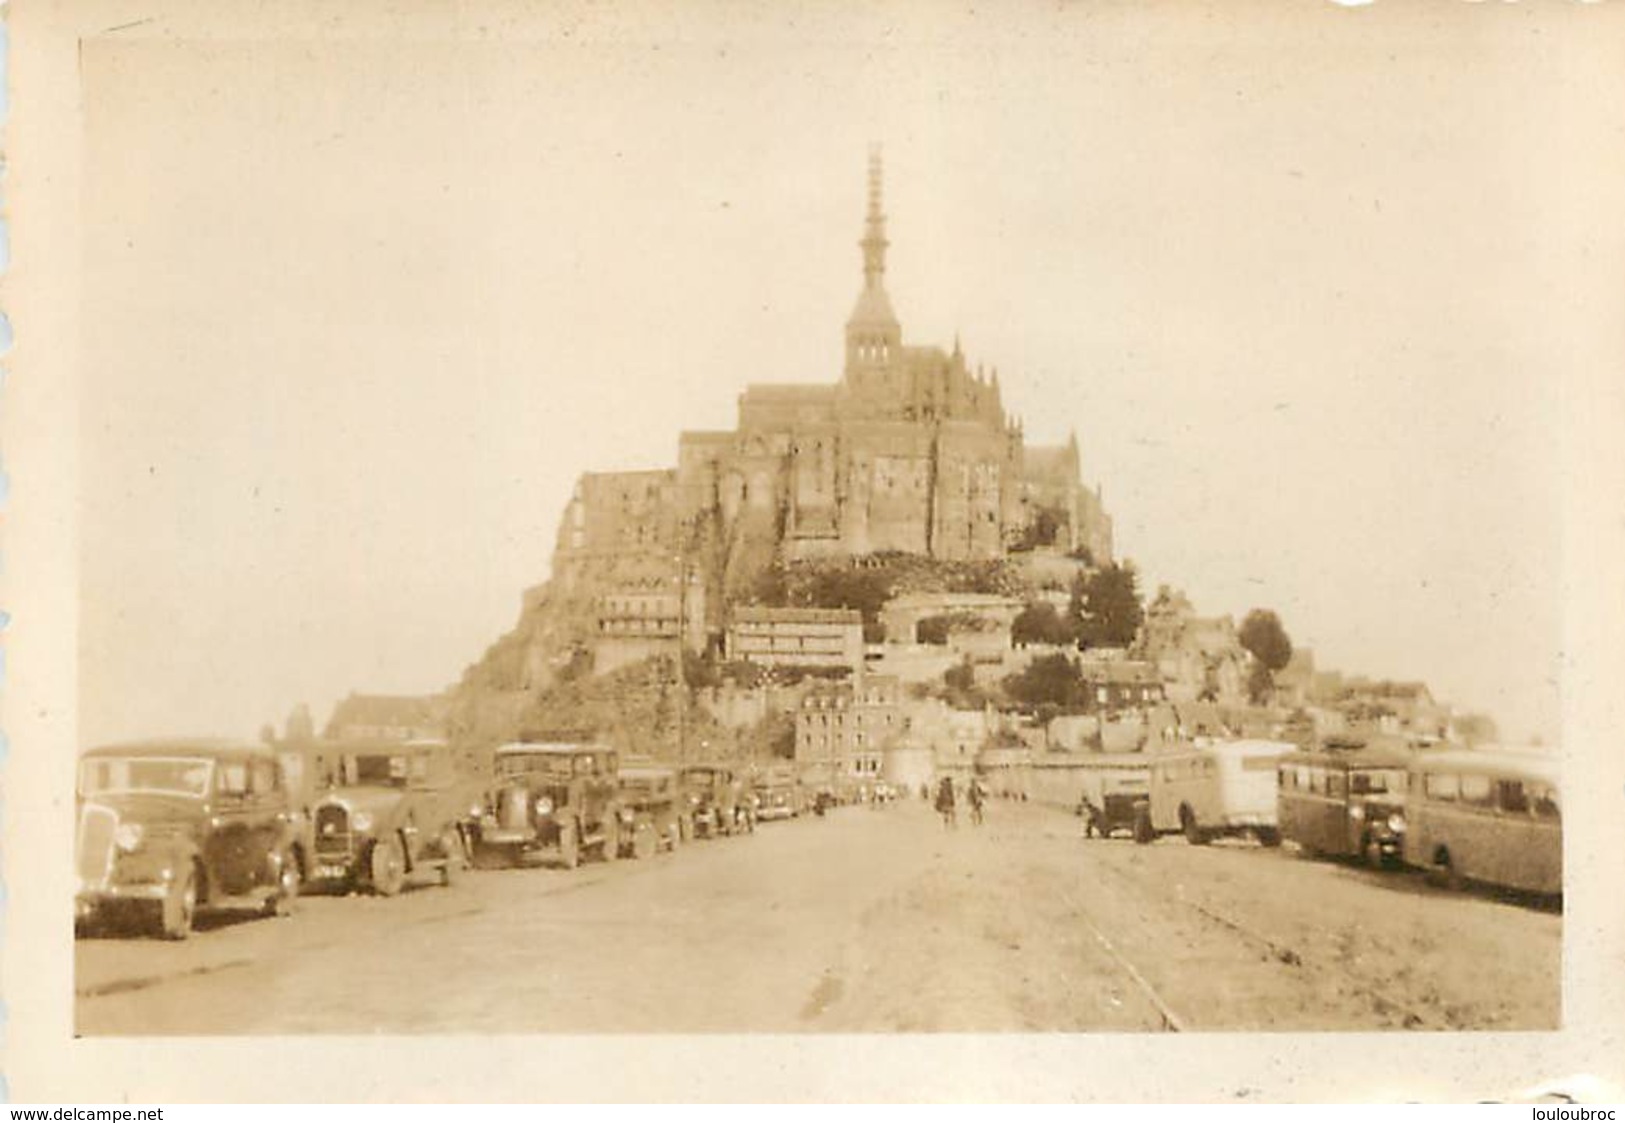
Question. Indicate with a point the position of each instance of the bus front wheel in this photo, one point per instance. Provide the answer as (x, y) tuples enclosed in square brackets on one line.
[(1194, 834), (1443, 872)]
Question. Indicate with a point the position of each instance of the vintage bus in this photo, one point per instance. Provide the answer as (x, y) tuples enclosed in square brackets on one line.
[(1490, 817), (1214, 788), (1344, 802)]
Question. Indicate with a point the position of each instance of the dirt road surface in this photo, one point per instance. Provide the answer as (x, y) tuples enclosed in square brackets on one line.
[(866, 920)]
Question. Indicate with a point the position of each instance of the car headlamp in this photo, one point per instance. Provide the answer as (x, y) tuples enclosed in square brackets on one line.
[(475, 811), (362, 821), (1396, 823), (544, 805), (127, 836), (1356, 811)]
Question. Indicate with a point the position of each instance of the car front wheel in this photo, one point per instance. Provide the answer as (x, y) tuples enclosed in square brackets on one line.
[(287, 887), (178, 909), (569, 846), (451, 844), (388, 867)]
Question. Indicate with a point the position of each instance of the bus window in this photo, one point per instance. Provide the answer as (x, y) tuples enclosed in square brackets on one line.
[(1511, 798), (1442, 786), (1336, 785), (1477, 790), (1544, 803), (1317, 781), (1304, 772), (1288, 779)]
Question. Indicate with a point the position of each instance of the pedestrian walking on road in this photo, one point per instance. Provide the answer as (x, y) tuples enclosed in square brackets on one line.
[(945, 801), (977, 798)]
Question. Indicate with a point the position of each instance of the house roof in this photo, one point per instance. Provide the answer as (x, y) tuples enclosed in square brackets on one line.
[(1120, 671)]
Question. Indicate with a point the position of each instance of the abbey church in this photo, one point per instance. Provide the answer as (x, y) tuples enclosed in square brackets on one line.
[(911, 450)]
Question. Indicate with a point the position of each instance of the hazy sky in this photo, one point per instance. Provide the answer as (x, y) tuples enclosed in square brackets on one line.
[(356, 314)]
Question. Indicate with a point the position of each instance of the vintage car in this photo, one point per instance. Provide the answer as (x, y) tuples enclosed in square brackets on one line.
[(1116, 790), (779, 797), (651, 811), (170, 827), (392, 814), (550, 799), (718, 803)]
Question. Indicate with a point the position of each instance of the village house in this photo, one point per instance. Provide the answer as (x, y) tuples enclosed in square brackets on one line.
[(639, 619), (844, 728), (830, 638), (1198, 657)]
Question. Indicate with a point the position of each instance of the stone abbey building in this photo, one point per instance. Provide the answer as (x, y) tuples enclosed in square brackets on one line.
[(910, 450)]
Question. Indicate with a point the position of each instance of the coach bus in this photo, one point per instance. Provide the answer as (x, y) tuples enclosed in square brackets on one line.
[(1490, 817), (1345, 800), (1214, 788)]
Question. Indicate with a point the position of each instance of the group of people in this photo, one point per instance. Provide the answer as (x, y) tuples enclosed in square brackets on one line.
[(947, 801)]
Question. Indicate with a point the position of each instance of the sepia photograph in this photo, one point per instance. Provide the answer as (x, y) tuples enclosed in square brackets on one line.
[(713, 529)]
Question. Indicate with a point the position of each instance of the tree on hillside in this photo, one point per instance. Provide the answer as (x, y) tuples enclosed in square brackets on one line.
[(1052, 680), (1271, 648), (960, 678), (1040, 622), (772, 738), (1106, 604)]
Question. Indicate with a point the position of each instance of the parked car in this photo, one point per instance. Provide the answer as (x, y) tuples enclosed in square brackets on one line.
[(1116, 789), (651, 811), (550, 800), (717, 801), (779, 797), (170, 827), (392, 815)]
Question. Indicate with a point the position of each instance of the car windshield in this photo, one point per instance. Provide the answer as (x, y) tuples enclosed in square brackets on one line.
[(519, 764), (187, 776), (1376, 780)]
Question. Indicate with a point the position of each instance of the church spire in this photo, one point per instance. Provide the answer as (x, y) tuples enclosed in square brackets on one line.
[(874, 227), (873, 338)]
